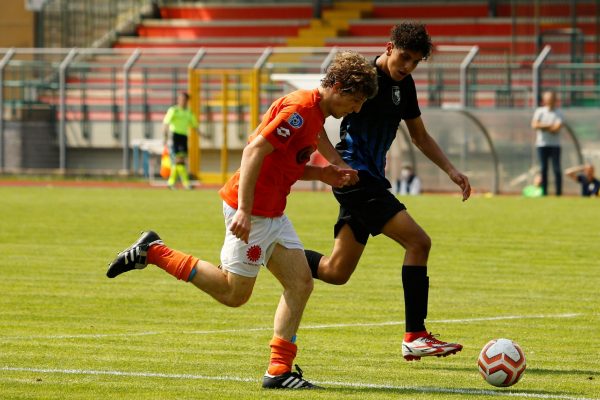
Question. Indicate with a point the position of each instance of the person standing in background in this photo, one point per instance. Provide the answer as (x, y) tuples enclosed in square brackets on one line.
[(547, 121), (178, 120)]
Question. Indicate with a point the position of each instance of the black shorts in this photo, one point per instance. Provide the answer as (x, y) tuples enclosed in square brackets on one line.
[(366, 207), (180, 144)]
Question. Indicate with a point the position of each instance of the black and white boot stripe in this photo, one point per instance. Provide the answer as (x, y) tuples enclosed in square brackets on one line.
[(289, 380), (138, 254), (135, 256)]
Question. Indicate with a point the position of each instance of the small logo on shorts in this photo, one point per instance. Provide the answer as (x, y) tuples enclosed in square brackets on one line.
[(253, 253)]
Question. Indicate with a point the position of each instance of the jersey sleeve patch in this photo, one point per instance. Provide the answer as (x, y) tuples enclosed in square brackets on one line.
[(295, 120), (283, 132)]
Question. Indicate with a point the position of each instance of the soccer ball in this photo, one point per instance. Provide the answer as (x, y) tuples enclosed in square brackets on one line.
[(501, 362)]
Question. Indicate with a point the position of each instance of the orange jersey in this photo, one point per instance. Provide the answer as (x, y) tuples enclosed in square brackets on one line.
[(292, 125)]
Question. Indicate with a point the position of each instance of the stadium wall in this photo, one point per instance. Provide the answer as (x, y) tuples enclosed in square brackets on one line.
[(460, 137), (17, 25), (30, 144)]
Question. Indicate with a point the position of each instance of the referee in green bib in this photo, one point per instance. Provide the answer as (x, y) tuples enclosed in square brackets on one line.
[(178, 120)]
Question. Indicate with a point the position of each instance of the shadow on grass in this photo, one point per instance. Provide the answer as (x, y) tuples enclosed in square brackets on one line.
[(594, 374), (373, 391), (541, 371)]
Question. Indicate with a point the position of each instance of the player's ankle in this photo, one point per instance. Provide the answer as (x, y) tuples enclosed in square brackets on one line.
[(410, 336)]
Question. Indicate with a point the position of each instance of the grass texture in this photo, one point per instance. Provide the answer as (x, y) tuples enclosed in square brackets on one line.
[(524, 269)]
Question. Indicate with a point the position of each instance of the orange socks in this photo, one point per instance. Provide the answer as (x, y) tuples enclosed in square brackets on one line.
[(176, 263), (282, 356)]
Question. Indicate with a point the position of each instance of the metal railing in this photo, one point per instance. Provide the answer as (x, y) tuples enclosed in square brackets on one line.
[(87, 23), (106, 98)]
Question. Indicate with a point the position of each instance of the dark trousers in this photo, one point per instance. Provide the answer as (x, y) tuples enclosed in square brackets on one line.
[(550, 153)]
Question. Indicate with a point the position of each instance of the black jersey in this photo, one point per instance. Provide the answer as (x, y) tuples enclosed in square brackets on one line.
[(588, 187), (366, 137)]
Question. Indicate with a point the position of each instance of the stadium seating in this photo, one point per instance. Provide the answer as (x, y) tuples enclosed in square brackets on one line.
[(503, 42), (353, 23), (99, 100), (227, 25), (470, 24)]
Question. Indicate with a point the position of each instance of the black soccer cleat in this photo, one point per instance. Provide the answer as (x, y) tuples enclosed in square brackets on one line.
[(289, 380), (133, 257)]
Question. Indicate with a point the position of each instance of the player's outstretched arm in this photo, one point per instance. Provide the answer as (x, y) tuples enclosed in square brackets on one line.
[(574, 171), (330, 174), (252, 158), (428, 146), (328, 151), (462, 181)]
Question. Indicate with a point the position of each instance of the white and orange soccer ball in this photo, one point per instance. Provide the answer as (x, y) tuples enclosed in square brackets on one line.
[(501, 362)]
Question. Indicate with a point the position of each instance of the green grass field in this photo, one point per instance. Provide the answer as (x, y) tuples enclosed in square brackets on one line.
[(525, 269)]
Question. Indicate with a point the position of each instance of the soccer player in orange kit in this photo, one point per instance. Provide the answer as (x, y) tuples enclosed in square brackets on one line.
[(254, 200)]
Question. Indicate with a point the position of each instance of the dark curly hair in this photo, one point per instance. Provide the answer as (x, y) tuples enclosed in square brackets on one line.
[(355, 74), (412, 36)]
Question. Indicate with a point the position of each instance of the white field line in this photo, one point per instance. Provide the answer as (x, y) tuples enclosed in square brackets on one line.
[(359, 385), (304, 327)]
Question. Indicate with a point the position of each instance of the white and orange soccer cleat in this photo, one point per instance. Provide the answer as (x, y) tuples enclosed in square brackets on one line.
[(426, 345)]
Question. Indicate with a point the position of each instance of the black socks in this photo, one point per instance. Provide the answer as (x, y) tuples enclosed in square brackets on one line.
[(313, 259), (416, 290), (416, 293)]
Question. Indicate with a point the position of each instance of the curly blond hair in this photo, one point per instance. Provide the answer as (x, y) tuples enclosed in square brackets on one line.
[(354, 74)]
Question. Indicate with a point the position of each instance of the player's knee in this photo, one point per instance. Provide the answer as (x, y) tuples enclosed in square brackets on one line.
[(303, 286), (338, 270), (423, 244), (236, 299), (419, 245), (339, 278), (307, 285)]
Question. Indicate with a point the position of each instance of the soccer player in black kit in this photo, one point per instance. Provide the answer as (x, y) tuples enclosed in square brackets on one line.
[(368, 207)]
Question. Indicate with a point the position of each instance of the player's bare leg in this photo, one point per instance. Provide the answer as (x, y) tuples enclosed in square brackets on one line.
[(404, 230), (290, 268), (227, 288), (337, 268)]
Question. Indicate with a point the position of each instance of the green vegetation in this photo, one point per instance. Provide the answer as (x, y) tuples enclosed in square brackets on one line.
[(525, 269)]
